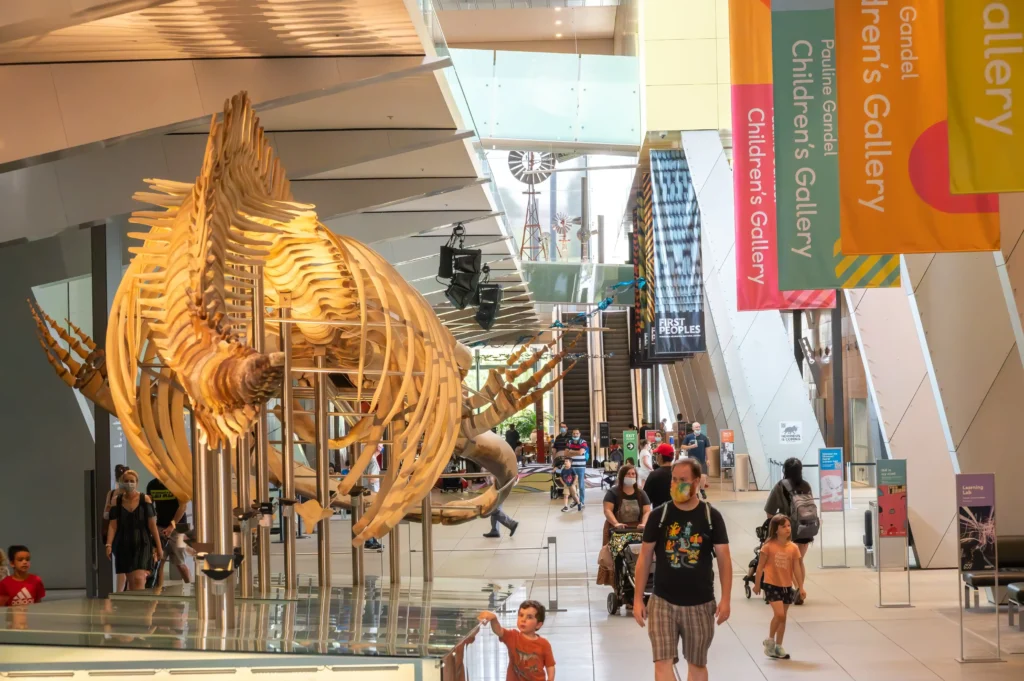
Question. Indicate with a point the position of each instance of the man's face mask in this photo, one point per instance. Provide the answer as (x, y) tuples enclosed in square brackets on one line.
[(562, 430), (696, 431), (682, 491)]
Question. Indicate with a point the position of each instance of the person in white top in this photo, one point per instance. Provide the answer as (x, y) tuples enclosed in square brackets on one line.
[(646, 463), (373, 468)]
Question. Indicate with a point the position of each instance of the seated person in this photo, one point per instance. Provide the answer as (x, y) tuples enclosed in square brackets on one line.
[(615, 452), (569, 481)]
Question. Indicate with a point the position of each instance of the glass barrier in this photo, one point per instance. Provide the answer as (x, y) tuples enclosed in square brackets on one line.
[(548, 97)]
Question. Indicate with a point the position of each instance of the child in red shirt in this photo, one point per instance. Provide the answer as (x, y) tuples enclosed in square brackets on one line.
[(529, 655), (21, 588)]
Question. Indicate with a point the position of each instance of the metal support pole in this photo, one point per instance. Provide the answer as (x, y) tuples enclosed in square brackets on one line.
[(223, 534), (427, 526), (798, 333), (600, 239), (323, 495), (202, 515), (358, 557), (243, 474), (287, 458), (259, 333), (395, 556), (837, 438)]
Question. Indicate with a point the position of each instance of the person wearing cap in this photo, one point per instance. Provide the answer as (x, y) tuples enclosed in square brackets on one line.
[(659, 484)]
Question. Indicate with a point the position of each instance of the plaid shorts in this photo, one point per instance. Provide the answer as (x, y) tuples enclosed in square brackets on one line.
[(693, 624)]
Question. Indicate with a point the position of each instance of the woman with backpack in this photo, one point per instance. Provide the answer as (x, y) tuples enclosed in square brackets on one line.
[(794, 498)]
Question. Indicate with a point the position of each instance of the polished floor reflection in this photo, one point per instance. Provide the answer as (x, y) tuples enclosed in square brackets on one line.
[(378, 620)]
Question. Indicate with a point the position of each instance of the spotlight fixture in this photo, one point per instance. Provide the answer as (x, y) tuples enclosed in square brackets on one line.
[(558, 35), (461, 266), (489, 301)]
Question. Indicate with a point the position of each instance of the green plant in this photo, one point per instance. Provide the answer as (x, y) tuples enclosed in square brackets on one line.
[(525, 422)]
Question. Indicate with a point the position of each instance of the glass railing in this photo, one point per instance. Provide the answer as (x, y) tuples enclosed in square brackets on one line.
[(556, 98)]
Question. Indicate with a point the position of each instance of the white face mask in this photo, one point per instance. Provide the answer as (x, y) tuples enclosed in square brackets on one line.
[(629, 480), (696, 431)]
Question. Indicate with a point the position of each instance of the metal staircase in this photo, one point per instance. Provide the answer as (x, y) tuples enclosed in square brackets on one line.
[(618, 384)]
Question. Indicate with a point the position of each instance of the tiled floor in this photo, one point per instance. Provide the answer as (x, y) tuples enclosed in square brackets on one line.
[(839, 634)]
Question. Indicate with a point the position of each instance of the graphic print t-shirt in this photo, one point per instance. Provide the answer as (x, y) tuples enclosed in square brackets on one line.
[(628, 507), (568, 476), (684, 569), (164, 501), (22, 593), (528, 659)]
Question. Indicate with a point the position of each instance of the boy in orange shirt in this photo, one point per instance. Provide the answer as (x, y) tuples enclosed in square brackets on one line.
[(529, 655)]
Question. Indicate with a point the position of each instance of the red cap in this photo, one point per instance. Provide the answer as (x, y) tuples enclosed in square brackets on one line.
[(665, 450)]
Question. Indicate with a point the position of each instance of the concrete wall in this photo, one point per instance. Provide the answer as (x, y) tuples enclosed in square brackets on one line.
[(912, 425), (686, 64), (565, 46), (756, 347)]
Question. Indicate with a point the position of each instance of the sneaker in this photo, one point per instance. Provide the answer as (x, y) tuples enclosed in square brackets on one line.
[(572, 504), (781, 653), (492, 535), (565, 509), (512, 530), (769, 647), (580, 508)]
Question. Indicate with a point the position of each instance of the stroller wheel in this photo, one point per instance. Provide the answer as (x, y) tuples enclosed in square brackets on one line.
[(613, 604), (746, 587)]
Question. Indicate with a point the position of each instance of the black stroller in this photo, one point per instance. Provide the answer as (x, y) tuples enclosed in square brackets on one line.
[(623, 590), (762, 537)]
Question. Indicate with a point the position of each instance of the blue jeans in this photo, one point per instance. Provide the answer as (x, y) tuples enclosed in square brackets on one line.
[(581, 477), (499, 517)]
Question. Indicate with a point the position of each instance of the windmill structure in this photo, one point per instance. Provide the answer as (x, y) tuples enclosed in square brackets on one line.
[(531, 168), (562, 226)]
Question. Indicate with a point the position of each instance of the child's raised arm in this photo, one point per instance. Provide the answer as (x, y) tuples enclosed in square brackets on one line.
[(488, 616)]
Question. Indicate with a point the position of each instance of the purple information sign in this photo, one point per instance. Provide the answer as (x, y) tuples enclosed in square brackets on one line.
[(976, 489), (976, 514)]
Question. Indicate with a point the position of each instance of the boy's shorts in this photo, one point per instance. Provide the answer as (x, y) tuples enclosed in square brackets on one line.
[(667, 624), (174, 549)]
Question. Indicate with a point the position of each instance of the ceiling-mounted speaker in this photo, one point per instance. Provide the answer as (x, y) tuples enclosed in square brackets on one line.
[(444, 269), (490, 303), (462, 291)]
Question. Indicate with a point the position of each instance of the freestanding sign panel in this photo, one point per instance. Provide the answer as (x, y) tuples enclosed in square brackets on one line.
[(976, 527), (976, 500), (830, 479), (892, 498), (728, 440), (630, 443)]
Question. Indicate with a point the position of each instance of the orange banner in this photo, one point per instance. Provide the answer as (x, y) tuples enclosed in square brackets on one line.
[(894, 160)]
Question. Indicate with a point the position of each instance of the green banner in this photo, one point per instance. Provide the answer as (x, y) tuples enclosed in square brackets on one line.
[(630, 446), (807, 156)]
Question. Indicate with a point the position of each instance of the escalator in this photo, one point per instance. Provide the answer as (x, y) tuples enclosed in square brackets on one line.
[(576, 387), (618, 385)]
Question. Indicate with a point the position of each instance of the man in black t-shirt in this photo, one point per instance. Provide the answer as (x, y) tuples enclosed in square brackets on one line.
[(659, 482), (682, 537), (169, 513)]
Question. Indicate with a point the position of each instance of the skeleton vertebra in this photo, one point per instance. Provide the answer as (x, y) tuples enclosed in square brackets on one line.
[(180, 328)]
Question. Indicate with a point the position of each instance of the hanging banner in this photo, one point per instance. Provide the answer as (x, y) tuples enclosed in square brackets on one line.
[(984, 66), (830, 478), (892, 497), (894, 169), (678, 285), (807, 156), (976, 520), (728, 440), (753, 163)]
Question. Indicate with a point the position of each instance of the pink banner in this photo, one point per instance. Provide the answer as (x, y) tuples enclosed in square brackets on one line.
[(757, 275)]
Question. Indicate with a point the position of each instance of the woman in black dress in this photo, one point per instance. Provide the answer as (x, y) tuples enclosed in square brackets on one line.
[(132, 536)]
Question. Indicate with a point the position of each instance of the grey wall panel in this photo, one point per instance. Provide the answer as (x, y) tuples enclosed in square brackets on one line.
[(47, 443)]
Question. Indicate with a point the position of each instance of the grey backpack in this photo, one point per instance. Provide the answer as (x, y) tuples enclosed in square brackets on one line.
[(803, 513)]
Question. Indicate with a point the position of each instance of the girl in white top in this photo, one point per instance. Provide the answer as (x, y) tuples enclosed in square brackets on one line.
[(646, 463)]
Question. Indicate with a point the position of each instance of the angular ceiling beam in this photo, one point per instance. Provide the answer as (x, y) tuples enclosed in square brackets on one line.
[(69, 109), (371, 228), (339, 198)]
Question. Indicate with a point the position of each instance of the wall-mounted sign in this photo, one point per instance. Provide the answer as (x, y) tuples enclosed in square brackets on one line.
[(791, 432)]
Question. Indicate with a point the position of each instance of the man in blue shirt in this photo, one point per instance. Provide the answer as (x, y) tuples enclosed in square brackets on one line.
[(696, 445), (579, 451)]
